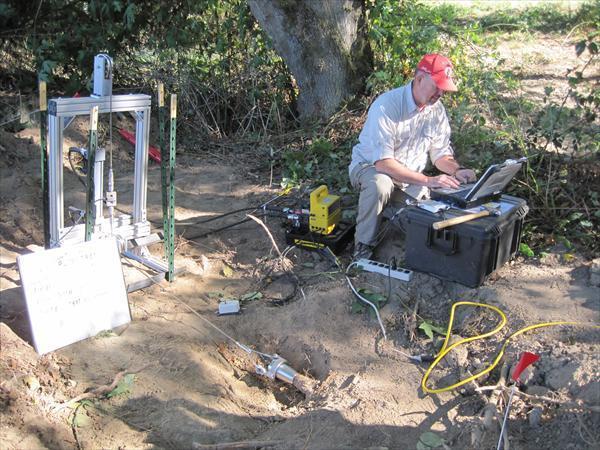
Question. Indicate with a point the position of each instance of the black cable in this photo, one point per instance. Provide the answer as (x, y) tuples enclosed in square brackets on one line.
[(75, 171), (389, 291), (286, 299), (253, 208), (268, 275), (206, 233), (201, 235)]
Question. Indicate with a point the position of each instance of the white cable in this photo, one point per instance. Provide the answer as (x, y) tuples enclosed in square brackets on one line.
[(288, 249), (290, 271), (192, 310), (239, 344), (512, 392), (18, 117), (75, 223), (360, 297)]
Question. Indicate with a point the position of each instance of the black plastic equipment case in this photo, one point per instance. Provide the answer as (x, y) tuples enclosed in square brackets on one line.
[(465, 253)]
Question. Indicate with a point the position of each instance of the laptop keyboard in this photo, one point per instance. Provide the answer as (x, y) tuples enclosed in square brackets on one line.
[(460, 192)]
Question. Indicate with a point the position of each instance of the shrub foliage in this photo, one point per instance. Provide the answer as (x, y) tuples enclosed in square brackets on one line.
[(233, 85)]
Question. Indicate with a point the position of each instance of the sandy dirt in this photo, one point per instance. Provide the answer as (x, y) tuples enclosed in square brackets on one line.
[(186, 394)]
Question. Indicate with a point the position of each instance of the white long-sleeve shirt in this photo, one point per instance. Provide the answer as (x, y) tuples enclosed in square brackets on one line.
[(396, 128)]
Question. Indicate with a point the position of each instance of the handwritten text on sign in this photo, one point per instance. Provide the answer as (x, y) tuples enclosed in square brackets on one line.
[(73, 293)]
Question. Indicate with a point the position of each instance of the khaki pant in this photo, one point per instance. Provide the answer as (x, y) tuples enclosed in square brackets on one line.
[(376, 191)]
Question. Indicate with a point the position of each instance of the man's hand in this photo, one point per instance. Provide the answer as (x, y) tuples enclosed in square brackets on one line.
[(465, 175), (443, 181), (449, 165)]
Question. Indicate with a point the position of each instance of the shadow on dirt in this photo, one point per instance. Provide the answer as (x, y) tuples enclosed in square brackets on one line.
[(181, 423), (13, 312)]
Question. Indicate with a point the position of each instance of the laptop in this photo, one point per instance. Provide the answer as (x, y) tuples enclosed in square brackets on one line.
[(488, 188)]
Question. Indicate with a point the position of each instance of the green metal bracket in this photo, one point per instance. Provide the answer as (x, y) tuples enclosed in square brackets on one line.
[(44, 161), (90, 204), (164, 162), (167, 172), (171, 196)]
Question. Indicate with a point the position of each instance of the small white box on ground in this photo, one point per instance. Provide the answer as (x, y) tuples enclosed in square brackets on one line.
[(229, 307)]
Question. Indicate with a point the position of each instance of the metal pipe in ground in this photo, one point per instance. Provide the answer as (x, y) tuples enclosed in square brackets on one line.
[(278, 368)]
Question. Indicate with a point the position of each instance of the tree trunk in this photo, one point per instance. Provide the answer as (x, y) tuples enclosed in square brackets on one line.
[(324, 44)]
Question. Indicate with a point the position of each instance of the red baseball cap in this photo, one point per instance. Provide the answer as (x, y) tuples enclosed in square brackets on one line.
[(440, 69)]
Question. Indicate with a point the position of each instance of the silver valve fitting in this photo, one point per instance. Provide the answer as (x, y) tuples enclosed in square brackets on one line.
[(278, 369)]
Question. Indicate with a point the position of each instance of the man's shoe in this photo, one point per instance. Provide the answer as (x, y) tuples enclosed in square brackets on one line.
[(362, 251)]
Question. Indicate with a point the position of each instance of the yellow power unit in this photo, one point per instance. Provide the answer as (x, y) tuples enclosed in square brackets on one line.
[(325, 211)]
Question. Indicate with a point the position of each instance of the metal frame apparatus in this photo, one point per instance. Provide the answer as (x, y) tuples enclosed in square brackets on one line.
[(125, 226)]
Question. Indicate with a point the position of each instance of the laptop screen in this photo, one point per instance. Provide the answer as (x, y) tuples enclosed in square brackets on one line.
[(495, 179)]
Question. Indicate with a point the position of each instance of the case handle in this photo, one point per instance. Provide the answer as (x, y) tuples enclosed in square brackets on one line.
[(431, 238)]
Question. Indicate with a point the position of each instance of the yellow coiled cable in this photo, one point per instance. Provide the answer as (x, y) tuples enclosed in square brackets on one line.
[(445, 349)]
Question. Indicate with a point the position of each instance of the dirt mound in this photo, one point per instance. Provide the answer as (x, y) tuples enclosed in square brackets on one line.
[(31, 394)]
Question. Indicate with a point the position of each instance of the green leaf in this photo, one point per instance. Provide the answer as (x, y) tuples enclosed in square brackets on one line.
[(426, 327), (124, 386), (526, 250), (377, 299), (358, 307), (47, 69), (429, 328), (431, 440), (215, 294), (563, 240), (308, 264), (251, 296), (370, 295)]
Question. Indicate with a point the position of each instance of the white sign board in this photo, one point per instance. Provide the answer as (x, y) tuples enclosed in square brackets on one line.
[(73, 292)]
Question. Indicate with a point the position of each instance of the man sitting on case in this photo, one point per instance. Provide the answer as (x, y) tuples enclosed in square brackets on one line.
[(404, 128)]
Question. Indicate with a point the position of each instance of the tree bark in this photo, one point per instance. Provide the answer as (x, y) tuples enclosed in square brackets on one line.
[(324, 44)]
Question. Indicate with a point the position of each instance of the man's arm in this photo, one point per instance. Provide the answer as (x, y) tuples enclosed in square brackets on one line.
[(449, 165), (442, 155), (402, 174)]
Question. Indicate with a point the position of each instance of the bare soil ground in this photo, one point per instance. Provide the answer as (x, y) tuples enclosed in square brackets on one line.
[(187, 394)]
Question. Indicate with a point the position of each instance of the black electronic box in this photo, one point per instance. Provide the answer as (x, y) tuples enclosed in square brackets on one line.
[(466, 253)]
